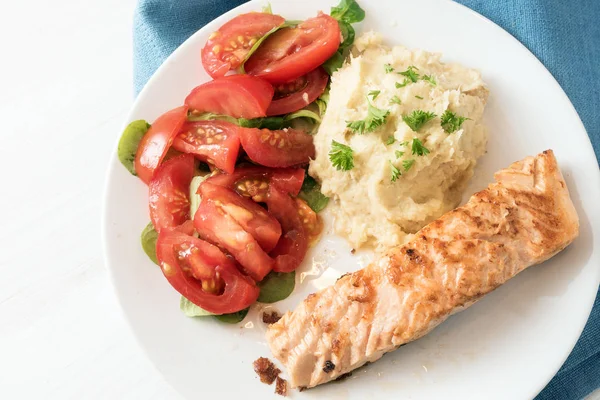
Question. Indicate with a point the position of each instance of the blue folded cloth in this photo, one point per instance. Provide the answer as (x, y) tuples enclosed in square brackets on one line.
[(564, 35)]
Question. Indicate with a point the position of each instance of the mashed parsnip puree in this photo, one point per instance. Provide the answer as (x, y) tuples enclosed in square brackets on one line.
[(395, 188)]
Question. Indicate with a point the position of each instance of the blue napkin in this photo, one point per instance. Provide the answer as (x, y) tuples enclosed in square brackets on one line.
[(564, 35)]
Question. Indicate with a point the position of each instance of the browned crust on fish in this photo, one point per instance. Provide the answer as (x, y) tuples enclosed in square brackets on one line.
[(522, 219)]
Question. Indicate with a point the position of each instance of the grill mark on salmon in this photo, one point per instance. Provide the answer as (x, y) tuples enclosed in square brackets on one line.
[(522, 219)]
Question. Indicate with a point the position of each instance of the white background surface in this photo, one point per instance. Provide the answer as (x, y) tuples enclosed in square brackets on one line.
[(65, 88)]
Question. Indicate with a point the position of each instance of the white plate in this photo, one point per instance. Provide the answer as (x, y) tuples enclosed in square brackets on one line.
[(507, 346)]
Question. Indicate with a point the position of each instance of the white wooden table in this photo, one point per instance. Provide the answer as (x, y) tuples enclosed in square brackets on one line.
[(65, 89)]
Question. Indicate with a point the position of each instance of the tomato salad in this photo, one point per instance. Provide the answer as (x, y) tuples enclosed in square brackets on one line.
[(232, 208)]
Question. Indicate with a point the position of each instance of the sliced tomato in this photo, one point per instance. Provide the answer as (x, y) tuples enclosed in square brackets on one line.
[(168, 192), (215, 225), (290, 53), (313, 225), (239, 96), (250, 216), (215, 142), (254, 182), (292, 246), (277, 149), (203, 274), (156, 142), (299, 93), (228, 47)]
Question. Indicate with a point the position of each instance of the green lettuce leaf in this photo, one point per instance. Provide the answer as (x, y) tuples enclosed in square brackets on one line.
[(348, 11), (148, 238), (311, 193), (276, 286), (129, 142)]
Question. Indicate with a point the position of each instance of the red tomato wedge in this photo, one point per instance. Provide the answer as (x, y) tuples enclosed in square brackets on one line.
[(228, 47), (168, 192), (313, 225), (290, 53), (277, 149), (203, 274), (215, 225), (239, 96), (215, 142), (156, 142), (254, 182), (250, 216), (299, 93), (291, 249)]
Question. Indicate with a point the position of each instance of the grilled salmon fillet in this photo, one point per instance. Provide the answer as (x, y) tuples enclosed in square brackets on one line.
[(522, 219)]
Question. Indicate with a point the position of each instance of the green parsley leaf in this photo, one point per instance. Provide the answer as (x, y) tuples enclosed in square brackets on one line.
[(411, 74), (398, 153), (430, 79), (357, 126), (311, 193), (451, 122), (417, 119), (375, 118), (407, 164), (401, 85), (348, 11), (403, 143), (341, 156), (388, 68), (419, 97), (418, 148), (395, 100), (374, 93), (390, 140), (395, 172)]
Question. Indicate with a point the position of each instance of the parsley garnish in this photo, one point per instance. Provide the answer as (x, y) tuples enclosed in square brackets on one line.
[(341, 156), (398, 153), (410, 74), (417, 119), (357, 126), (403, 143), (374, 93), (401, 85), (407, 164), (375, 118), (395, 172), (451, 122), (418, 148), (388, 68), (419, 97), (430, 79), (390, 140), (395, 100)]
